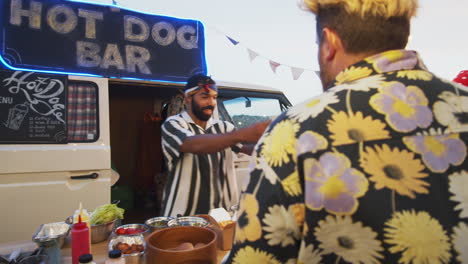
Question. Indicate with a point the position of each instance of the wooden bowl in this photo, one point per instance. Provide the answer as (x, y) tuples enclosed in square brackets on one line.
[(161, 245)]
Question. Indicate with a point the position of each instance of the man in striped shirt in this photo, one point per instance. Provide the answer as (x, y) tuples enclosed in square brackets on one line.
[(199, 149)]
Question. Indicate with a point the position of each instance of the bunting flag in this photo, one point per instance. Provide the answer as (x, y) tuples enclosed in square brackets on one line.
[(233, 41), (274, 65), (252, 54), (296, 72)]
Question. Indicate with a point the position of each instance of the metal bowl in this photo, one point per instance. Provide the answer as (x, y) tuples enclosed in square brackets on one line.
[(50, 234), (159, 222), (188, 221), (145, 230), (136, 257), (101, 232)]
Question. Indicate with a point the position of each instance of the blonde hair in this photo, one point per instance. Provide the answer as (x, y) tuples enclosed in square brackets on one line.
[(364, 8)]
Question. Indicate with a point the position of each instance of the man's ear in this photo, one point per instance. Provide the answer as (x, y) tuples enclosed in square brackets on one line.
[(332, 43), (188, 99)]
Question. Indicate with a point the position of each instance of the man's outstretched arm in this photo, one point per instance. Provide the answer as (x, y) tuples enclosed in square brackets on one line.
[(210, 143)]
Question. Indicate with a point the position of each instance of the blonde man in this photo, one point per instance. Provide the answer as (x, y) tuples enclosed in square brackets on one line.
[(374, 169)]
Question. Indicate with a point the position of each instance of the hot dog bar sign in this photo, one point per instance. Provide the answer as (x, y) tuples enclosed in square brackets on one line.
[(95, 39)]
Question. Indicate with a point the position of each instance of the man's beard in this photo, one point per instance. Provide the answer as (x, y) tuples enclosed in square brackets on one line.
[(198, 111)]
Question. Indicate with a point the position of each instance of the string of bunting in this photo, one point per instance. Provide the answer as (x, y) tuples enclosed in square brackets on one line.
[(296, 72)]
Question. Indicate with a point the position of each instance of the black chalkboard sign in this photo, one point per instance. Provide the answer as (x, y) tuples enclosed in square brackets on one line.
[(32, 107)]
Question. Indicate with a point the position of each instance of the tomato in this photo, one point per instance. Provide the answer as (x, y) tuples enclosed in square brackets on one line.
[(133, 231), (128, 231), (120, 231)]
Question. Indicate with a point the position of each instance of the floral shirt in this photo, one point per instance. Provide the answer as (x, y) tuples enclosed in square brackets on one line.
[(372, 171)]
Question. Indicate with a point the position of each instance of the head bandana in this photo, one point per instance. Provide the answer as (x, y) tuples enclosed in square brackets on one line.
[(206, 87)]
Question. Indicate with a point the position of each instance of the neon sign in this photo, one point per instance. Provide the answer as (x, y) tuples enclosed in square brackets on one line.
[(92, 39)]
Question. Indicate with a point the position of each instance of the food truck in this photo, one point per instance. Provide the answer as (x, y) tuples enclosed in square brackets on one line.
[(84, 88)]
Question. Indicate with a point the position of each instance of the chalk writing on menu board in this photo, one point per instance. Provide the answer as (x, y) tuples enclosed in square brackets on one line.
[(32, 107)]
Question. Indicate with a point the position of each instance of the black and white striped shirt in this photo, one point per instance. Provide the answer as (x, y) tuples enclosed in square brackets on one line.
[(197, 182)]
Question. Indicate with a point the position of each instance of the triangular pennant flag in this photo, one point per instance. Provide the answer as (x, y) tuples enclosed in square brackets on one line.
[(274, 65), (296, 72), (252, 54), (233, 41)]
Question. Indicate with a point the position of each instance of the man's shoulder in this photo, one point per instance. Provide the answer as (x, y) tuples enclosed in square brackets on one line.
[(175, 122), (177, 118)]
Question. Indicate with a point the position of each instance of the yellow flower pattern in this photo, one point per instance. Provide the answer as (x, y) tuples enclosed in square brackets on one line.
[(281, 226), (395, 169), (418, 237), (280, 143), (348, 129), (292, 185), (352, 74), (415, 75), (372, 171), (351, 241), (248, 225), (250, 255)]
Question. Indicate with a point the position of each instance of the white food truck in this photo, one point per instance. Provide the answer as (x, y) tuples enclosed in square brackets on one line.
[(85, 87)]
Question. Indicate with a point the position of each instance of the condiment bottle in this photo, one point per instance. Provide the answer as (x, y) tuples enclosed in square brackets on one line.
[(84, 218), (115, 257), (84, 215), (86, 259), (80, 240)]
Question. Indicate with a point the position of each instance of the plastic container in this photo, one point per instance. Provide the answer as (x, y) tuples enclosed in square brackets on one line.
[(115, 257), (84, 218), (86, 259), (84, 215), (80, 240)]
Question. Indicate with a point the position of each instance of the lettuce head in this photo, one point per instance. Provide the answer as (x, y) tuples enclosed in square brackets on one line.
[(106, 213)]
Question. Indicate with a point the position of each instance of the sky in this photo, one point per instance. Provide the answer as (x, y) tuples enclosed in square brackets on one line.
[(279, 30)]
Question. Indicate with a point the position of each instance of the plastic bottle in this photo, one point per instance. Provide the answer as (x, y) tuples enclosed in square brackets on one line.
[(84, 215), (80, 240), (115, 257), (86, 259), (84, 218)]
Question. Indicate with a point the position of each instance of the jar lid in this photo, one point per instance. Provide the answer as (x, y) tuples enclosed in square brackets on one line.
[(85, 258), (115, 253)]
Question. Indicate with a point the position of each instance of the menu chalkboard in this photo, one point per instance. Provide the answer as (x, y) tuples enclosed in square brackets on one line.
[(32, 107)]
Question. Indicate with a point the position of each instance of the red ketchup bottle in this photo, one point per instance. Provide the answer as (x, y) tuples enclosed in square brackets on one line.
[(80, 240)]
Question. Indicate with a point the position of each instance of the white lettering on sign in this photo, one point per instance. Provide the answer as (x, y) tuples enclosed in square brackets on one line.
[(88, 55), (41, 93), (163, 27), (187, 38), (90, 18), (6, 100), (112, 57), (131, 23), (137, 57), (34, 13), (62, 19)]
